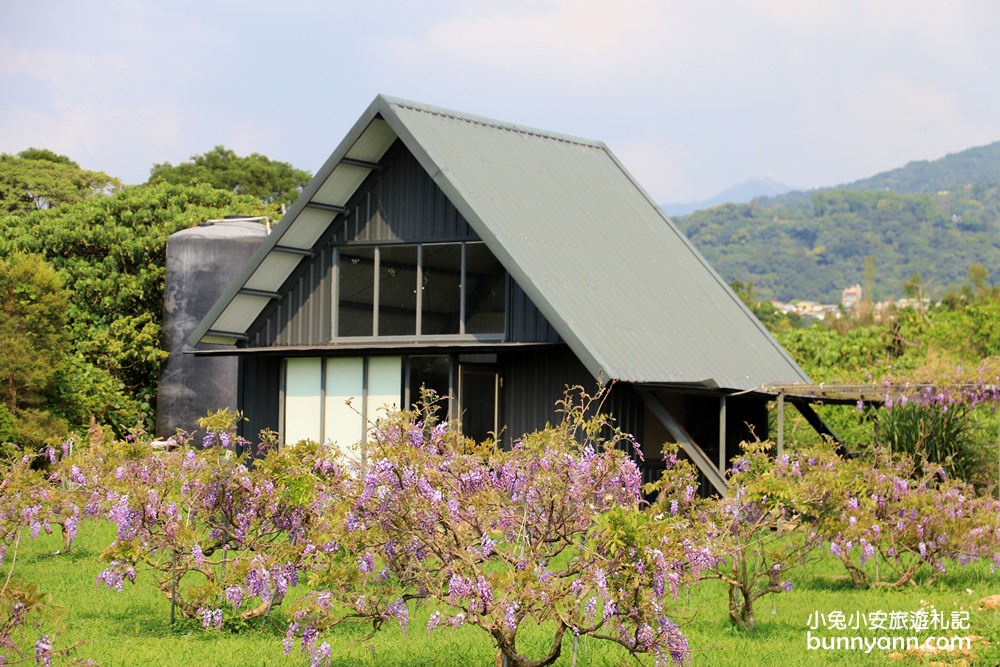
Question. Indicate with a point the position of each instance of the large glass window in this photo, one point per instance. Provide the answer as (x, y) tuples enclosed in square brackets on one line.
[(444, 289), (485, 291), (479, 389), (345, 377), (397, 290), (441, 289), (303, 400), (434, 373), (337, 400), (384, 388), (356, 292)]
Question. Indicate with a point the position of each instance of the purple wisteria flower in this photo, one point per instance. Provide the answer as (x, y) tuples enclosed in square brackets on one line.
[(197, 555), (590, 609), (401, 613), (125, 518), (258, 579), (488, 545), (115, 574), (77, 476), (289, 641), (70, 525), (320, 655), (366, 563), (458, 590), (211, 618), (510, 616), (234, 594), (43, 651), (677, 643)]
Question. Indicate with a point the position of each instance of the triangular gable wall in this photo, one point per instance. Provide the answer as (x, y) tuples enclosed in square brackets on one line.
[(398, 203)]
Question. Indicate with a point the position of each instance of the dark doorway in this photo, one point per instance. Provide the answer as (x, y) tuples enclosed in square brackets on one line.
[(434, 373), (479, 392)]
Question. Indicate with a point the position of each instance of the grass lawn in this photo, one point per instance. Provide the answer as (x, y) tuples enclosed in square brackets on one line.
[(132, 627)]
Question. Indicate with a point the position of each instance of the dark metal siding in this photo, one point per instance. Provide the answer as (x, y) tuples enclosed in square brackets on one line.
[(534, 381), (401, 203), (527, 324), (260, 387), (308, 303)]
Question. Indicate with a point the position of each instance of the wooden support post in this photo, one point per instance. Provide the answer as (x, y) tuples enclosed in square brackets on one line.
[(722, 435), (687, 443), (781, 422)]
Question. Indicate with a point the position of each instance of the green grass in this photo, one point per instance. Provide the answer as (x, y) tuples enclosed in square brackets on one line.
[(132, 627)]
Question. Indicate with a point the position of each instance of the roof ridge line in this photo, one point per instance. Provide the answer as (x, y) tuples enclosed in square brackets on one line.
[(499, 125)]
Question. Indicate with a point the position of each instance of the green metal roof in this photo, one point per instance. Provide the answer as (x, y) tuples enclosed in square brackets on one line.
[(628, 293)]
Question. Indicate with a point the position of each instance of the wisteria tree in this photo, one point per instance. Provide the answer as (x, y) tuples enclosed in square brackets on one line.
[(757, 530), (548, 533), (29, 505), (896, 524), (886, 517), (219, 531)]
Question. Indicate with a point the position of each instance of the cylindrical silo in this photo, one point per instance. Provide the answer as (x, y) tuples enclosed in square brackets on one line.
[(201, 262)]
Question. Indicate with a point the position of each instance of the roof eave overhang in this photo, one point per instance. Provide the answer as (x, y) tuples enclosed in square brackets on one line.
[(377, 347), (294, 238)]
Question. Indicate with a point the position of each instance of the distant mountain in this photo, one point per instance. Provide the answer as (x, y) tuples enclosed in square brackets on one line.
[(737, 194), (968, 167), (935, 218)]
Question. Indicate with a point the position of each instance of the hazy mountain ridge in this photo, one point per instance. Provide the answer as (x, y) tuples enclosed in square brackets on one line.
[(743, 192), (971, 166), (932, 217)]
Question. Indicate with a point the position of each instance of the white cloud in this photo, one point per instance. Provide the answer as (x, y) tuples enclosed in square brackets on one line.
[(572, 43), (693, 95)]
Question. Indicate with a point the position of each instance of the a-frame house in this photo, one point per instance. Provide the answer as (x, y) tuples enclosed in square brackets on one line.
[(496, 264)]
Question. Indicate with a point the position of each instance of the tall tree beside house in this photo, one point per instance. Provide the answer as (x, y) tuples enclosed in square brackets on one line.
[(110, 252), (270, 181), (34, 343)]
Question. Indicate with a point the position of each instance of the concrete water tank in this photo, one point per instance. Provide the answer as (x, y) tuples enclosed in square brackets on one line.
[(201, 262)]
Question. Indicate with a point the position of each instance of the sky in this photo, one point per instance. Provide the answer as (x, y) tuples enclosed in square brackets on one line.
[(692, 96)]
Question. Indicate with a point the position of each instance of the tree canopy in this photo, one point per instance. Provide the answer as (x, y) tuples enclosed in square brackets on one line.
[(256, 175), (812, 247), (32, 328), (38, 179), (110, 251), (935, 218), (956, 170)]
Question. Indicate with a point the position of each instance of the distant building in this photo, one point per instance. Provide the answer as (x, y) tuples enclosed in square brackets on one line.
[(851, 297)]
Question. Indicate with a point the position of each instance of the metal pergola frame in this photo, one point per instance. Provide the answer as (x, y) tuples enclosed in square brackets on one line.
[(864, 394)]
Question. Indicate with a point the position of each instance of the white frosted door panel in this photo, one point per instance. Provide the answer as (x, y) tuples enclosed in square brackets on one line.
[(303, 400), (344, 424), (385, 386)]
